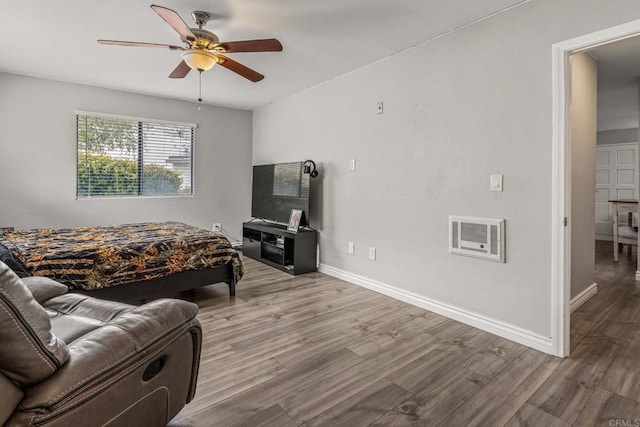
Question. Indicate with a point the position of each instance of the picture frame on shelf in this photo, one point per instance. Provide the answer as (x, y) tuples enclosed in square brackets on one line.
[(294, 220)]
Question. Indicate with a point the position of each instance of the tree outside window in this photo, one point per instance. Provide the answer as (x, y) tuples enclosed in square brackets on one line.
[(119, 157)]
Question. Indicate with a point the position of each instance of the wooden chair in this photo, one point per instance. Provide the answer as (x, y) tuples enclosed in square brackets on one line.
[(625, 233)]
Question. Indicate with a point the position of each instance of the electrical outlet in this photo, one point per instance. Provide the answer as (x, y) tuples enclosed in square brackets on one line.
[(372, 254), (380, 107), (352, 248), (217, 226)]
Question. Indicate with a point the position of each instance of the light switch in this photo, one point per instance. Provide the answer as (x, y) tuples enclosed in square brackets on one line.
[(352, 164), (496, 183)]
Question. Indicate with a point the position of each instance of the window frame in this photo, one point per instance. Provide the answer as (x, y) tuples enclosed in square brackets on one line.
[(139, 155)]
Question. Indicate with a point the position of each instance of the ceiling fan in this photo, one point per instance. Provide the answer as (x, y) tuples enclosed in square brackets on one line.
[(202, 49)]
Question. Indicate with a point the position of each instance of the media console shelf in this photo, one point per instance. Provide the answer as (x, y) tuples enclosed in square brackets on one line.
[(273, 245)]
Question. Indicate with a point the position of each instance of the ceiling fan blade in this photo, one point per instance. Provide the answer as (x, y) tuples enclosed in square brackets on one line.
[(139, 44), (265, 45), (181, 70), (173, 19), (240, 69)]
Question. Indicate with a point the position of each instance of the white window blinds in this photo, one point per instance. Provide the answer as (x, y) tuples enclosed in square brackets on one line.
[(132, 157)]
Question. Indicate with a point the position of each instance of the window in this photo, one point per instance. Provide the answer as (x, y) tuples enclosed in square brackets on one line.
[(120, 157)]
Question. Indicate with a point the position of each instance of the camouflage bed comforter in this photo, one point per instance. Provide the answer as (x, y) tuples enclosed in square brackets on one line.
[(98, 257)]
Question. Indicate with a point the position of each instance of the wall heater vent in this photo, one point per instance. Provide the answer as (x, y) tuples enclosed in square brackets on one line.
[(477, 237)]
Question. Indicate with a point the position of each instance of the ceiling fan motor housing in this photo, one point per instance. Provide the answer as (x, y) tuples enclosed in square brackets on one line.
[(205, 39)]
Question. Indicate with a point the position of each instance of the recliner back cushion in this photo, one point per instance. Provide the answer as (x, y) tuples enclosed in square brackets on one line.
[(29, 351)]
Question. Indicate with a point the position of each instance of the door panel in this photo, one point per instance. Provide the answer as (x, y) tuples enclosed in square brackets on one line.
[(603, 177), (626, 177), (626, 157), (603, 158), (624, 193)]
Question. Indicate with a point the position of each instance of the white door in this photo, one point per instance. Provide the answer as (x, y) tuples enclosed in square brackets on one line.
[(616, 178)]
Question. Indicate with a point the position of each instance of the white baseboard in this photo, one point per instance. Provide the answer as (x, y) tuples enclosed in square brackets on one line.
[(494, 326), (584, 296)]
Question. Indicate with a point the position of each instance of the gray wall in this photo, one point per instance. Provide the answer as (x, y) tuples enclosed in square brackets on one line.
[(38, 158), (457, 109), (617, 136), (584, 114)]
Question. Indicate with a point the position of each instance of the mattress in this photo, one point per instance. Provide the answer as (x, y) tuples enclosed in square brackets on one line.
[(97, 257)]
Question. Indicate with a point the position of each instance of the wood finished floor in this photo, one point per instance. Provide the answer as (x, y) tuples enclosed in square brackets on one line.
[(314, 350)]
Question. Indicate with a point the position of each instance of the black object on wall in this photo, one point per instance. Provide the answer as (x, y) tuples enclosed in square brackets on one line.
[(278, 188), (309, 167)]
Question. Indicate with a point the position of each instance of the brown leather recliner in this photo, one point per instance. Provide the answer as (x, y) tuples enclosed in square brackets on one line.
[(73, 360)]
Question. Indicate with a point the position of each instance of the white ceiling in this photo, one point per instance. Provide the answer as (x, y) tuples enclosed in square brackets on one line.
[(322, 39), (618, 70)]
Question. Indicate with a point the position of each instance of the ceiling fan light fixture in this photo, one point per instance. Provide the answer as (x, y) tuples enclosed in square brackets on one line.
[(200, 60)]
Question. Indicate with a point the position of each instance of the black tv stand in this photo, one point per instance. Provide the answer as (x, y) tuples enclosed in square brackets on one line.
[(272, 244)]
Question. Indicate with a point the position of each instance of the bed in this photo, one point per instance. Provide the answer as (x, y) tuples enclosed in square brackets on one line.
[(128, 262)]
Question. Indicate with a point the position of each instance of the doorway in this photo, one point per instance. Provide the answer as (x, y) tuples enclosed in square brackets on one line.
[(561, 250)]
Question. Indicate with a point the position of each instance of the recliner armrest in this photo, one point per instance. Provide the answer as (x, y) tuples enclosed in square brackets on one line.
[(44, 288), (99, 355)]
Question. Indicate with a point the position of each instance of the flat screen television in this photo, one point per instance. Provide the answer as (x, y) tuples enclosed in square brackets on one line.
[(277, 189)]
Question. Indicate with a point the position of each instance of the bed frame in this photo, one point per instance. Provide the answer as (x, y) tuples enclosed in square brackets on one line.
[(166, 286)]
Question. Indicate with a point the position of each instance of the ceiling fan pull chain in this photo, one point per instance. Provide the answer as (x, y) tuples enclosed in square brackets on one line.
[(200, 89)]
